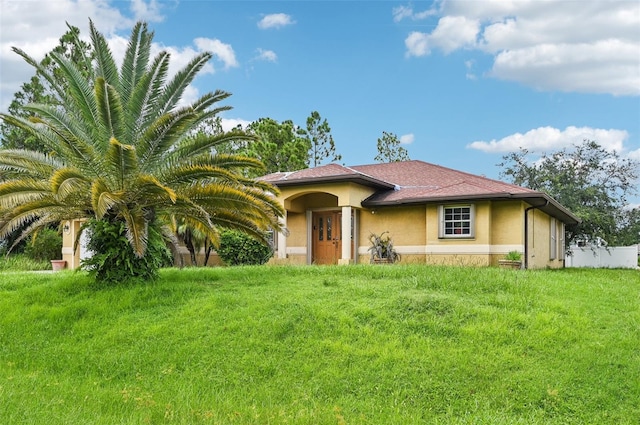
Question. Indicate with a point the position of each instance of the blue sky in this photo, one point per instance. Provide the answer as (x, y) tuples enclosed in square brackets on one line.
[(460, 82)]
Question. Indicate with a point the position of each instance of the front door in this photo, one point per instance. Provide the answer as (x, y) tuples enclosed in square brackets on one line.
[(327, 237)]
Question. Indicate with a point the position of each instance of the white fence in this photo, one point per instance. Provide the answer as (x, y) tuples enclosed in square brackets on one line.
[(603, 257)]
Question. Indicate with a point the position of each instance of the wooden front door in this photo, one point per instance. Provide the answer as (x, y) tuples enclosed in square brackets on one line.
[(327, 237)]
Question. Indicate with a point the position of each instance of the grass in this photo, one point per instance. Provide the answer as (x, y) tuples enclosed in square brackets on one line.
[(323, 345), (22, 262)]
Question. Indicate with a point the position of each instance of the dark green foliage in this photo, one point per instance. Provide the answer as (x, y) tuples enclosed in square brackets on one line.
[(279, 146), (389, 149), (46, 245), (629, 228), (114, 260), (238, 248), (322, 145), (592, 182)]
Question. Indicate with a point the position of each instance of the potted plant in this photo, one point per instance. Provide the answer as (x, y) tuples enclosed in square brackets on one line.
[(382, 250), (513, 260)]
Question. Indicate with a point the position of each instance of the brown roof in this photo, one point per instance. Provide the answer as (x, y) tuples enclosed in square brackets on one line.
[(415, 182)]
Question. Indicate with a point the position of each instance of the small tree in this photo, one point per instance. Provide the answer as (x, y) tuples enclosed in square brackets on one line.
[(118, 151), (322, 145), (389, 149), (280, 146), (590, 181)]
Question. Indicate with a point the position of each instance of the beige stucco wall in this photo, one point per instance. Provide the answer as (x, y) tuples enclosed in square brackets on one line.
[(499, 228), (70, 230), (540, 242)]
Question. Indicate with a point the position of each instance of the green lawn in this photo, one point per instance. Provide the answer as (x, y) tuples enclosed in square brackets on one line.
[(323, 345)]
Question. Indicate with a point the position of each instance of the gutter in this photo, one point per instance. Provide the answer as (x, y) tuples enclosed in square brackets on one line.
[(526, 231)]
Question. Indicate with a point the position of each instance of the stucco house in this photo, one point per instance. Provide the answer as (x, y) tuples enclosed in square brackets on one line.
[(434, 215)]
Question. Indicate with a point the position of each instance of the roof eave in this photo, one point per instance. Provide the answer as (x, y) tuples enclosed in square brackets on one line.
[(539, 200), (360, 179)]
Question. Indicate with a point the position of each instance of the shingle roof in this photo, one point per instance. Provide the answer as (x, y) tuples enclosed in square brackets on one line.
[(412, 182), (421, 180)]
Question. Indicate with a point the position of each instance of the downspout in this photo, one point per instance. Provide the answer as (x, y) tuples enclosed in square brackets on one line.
[(526, 232)]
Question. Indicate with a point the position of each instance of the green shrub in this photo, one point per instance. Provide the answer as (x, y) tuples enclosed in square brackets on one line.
[(113, 259), (46, 245), (238, 248)]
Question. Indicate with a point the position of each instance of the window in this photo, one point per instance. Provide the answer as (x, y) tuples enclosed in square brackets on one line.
[(553, 233), (556, 236), (456, 221), (561, 246)]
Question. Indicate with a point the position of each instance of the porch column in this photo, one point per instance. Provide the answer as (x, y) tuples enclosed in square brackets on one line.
[(346, 236), (282, 238)]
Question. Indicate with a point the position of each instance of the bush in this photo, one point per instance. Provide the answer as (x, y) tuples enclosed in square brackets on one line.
[(238, 248), (46, 245), (113, 259)]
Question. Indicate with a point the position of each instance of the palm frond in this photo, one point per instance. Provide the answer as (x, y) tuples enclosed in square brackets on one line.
[(137, 229), (47, 210), (85, 61), (195, 174), (110, 109), (79, 92), (102, 199), (135, 60), (140, 106), (44, 71), (13, 193), (152, 190), (174, 90), (106, 65), (122, 161), (189, 147), (28, 163), (161, 136), (68, 181)]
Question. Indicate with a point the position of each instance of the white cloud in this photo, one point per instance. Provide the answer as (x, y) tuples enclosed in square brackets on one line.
[(543, 139), (452, 33), (231, 123), (635, 155), (587, 46), (149, 12), (401, 12), (275, 20), (266, 55), (407, 139), (36, 27), (220, 50), (470, 75), (37, 30), (417, 44)]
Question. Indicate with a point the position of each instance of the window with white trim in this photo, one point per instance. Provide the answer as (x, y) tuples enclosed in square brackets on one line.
[(561, 246), (553, 237), (556, 239), (456, 221)]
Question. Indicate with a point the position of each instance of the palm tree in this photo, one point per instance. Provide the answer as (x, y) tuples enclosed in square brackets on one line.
[(119, 149)]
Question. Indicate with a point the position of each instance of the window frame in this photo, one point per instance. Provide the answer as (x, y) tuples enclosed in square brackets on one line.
[(442, 209), (553, 239)]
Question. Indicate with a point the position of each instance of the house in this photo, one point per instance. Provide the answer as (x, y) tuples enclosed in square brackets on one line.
[(434, 215)]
